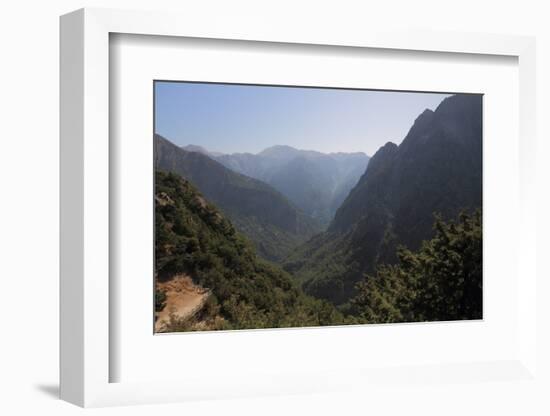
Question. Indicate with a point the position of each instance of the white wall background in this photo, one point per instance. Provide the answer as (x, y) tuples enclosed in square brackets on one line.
[(29, 206)]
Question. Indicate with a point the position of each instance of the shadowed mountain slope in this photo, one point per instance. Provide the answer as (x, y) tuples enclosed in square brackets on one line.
[(315, 182), (436, 169), (255, 208)]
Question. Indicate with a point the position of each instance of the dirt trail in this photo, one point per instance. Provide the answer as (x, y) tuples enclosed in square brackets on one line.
[(183, 299)]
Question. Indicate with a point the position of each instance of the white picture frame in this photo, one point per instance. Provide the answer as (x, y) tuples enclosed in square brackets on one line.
[(85, 211)]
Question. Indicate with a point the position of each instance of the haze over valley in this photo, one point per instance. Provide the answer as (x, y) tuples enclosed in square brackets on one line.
[(315, 182)]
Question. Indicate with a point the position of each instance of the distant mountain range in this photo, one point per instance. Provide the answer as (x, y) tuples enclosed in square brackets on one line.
[(263, 214), (315, 182), (436, 169), (200, 149)]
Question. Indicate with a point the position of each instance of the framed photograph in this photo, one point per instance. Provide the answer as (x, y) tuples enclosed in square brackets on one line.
[(269, 211)]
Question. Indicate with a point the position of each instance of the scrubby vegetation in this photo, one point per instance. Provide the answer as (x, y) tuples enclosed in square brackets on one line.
[(441, 281), (160, 300), (193, 237)]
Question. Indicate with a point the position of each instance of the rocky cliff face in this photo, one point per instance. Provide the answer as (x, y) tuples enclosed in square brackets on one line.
[(436, 169)]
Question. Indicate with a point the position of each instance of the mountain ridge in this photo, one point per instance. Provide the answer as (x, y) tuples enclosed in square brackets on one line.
[(200, 149), (436, 169), (315, 182), (256, 209)]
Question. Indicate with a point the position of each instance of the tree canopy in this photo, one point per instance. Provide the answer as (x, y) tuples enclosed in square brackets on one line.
[(441, 281)]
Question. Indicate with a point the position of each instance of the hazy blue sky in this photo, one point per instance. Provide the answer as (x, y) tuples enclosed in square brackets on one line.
[(242, 118)]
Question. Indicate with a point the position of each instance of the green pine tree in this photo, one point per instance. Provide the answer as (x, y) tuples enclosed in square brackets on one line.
[(440, 282)]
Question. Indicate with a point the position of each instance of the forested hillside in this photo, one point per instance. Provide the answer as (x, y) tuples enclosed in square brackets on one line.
[(194, 239)]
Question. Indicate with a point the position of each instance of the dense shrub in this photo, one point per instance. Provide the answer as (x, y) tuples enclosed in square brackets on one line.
[(441, 281), (192, 237)]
